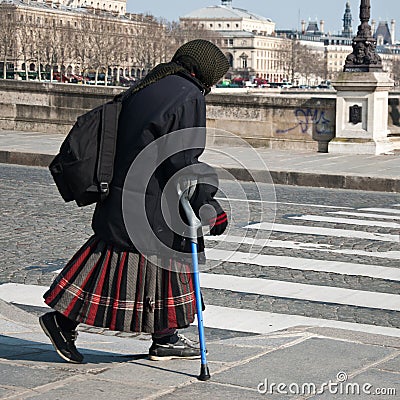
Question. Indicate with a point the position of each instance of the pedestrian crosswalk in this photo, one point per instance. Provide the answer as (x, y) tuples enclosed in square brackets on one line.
[(353, 252), (336, 267)]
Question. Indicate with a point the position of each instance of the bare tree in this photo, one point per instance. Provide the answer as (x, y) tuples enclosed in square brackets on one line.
[(396, 69), (7, 38), (24, 44), (81, 42), (177, 34), (100, 46), (286, 58), (300, 61), (312, 64)]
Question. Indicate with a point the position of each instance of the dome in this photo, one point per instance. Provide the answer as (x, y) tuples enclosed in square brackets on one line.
[(224, 12)]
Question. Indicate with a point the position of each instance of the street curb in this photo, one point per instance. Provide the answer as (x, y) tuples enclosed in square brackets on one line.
[(15, 314), (292, 178), (28, 159), (329, 181)]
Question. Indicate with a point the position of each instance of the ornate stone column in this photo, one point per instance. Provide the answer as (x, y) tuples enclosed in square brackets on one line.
[(362, 109), (364, 57)]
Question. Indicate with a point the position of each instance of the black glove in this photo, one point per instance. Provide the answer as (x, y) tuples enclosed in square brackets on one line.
[(219, 224)]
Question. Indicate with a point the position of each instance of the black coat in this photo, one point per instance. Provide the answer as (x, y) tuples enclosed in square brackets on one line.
[(171, 104)]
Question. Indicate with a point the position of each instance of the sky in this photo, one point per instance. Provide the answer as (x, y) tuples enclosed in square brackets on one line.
[(286, 15)]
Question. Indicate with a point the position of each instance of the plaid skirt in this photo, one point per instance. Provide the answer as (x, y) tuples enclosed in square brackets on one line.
[(123, 291)]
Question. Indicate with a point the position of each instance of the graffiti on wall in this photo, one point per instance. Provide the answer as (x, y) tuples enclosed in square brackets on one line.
[(307, 118)]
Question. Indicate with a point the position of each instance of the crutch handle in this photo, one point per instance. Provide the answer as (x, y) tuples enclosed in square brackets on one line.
[(186, 189)]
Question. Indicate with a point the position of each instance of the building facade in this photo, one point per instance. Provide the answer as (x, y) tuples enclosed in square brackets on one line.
[(247, 39), (43, 37)]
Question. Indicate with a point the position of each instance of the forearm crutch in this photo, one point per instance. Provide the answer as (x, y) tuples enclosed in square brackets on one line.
[(195, 225)]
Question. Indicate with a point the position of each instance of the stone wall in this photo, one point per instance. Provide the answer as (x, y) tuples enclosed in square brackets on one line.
[(262, 118), (46, 107), (276, 120)]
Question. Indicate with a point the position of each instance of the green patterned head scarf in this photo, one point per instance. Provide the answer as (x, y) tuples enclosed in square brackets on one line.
[(204, 59)]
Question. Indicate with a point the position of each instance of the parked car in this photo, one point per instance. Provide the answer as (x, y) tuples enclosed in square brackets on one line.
[(249, 84), (228, 86), (126, 82), (60, 77)]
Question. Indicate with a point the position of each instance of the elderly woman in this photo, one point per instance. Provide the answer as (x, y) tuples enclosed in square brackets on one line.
[(113, 283)]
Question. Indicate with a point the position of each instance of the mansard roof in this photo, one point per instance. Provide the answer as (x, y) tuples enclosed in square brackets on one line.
[(224, 12), (384, 31)]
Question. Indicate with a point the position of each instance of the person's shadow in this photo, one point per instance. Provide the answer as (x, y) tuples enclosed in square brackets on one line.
[(13, 349), (16, 349)]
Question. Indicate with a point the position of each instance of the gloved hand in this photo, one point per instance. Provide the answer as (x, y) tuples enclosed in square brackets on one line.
[(218, 224)]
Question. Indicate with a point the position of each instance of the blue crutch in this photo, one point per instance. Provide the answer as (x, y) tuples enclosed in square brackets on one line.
[(195, 224)]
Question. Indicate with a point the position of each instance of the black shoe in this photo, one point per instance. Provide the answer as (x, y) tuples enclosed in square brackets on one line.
[(63, 341), (183, 348)]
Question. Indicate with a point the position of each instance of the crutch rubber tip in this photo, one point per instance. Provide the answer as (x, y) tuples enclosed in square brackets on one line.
[(204, 373)]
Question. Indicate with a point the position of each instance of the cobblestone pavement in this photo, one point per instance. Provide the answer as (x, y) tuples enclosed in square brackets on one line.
[(40, 233)]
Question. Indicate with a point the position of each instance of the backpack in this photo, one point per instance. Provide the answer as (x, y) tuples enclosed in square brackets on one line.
[(84, 166)]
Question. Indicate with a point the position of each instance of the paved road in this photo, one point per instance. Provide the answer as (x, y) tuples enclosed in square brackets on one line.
[(332, 256)]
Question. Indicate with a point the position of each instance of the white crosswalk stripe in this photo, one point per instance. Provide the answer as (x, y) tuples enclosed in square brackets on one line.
[(365, 215), (306, 264), (320, 231), (301, 291), (265, 322), (382, 210), (290, 244), (348, 221)]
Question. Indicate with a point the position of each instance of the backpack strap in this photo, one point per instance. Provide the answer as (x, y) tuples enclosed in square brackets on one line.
[(126, 93), (108, 141)]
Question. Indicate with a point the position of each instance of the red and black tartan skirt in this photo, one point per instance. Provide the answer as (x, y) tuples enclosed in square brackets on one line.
[(123, 291)]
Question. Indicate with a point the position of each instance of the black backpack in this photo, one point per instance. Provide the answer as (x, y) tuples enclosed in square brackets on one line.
[(84, 167)]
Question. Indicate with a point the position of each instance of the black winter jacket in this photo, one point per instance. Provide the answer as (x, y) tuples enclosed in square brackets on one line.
[(171, 104)]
